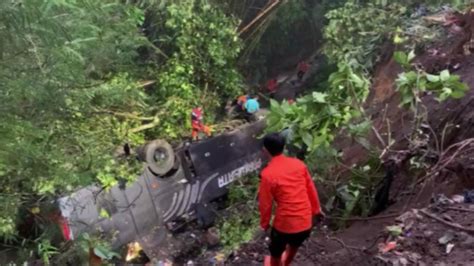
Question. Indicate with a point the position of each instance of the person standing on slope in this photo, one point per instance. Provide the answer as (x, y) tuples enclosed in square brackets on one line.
[(303, 67), (287, 182), (252, 106), (197, 124), (272, 86)]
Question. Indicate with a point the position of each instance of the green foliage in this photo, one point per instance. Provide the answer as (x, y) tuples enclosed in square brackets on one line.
[(355, 32), (239, 229), (413, 83), (46, 250), (355, 197), (242, 223), (315, 119), (77, 253), (71, 95), (204, 47), (54, 136)]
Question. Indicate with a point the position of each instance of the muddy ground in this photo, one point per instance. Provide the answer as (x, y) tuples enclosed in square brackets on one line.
[(450, 122), (362, 240)]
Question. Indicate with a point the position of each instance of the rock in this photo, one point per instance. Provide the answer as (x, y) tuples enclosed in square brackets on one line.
[(461, 236), (403, 261), (414, 257), (211, 237), (428, 233), (409, 216), (448, 236), (468, 242)]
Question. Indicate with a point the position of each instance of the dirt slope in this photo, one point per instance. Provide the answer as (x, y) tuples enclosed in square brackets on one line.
[(450, 122)]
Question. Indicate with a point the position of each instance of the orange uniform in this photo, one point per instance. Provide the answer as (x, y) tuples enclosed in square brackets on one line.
[(197, 125), (287, 182), (242, 100)]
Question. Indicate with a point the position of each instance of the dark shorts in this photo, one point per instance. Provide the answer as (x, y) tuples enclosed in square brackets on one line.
[(279, 240), (300, 75)]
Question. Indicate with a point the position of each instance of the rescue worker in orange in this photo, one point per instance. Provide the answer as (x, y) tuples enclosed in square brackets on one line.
[(286, 182), (197, 124), (242, 100)]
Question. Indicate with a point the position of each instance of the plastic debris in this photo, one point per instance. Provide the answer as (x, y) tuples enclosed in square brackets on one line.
[(218, 259), (395, 230), (458, 198), (469, 196), (164, 263), (449, 248), (446, 238), (387, 247), (441, 199)]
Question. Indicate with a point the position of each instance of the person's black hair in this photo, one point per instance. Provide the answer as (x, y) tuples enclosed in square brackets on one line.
[(274, 143)]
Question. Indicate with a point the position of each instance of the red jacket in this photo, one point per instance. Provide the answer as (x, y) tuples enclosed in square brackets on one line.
[(303, 67), (272, 85), (287, 182)]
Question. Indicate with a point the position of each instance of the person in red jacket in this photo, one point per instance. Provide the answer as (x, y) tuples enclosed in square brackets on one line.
[(287, 182), (272, 85), (303, 67)]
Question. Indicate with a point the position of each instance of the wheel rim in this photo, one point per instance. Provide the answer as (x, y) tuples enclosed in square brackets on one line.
[(160, 156)]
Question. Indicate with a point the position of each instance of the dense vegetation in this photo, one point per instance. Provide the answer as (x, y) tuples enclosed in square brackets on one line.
[(356, 44), (72, 75), (79, 78)]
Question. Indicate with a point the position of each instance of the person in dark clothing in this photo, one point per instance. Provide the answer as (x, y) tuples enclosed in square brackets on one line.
[(287, 182), (303, 67)]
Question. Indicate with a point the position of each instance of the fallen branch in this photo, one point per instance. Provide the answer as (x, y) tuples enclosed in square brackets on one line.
[(153, 124), (271, 5), (459, 209), (453, 225), (344, 245), (445, 160), (379, 137), (125, 115), (364, 218)]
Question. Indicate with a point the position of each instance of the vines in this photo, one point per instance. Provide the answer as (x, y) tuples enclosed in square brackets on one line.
[(356, 33), (414, 83), (316, 118)]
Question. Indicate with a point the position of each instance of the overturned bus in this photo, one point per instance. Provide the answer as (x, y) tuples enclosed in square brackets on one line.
[(176, 182)]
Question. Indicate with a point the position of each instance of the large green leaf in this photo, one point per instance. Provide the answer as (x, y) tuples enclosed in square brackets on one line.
[(444, 75), (319, 97), (401, 58), (105, 253), (432, 78)]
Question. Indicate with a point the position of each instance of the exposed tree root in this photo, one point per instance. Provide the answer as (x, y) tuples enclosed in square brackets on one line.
[(452, 225)]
